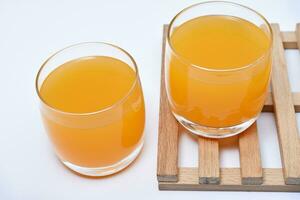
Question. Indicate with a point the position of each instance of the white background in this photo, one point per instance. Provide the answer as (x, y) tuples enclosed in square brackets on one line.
[(31, 30)]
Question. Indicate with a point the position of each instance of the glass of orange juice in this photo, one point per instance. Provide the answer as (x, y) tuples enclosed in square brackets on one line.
[(218, 65), (92, 107)]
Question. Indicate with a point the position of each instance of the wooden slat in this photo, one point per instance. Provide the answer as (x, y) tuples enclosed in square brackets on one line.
[(298, 42), (209, 170), (250, 161), (230, 181), (297, 33), (285, 113), (269, 107), (289, 40), (167, 166)]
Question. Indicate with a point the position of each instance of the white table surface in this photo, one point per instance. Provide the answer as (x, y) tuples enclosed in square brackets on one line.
[(32, 30)]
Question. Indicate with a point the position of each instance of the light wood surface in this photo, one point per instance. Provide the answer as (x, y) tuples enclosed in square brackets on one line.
[(297, 33), (230, 181), (269, 107), (285, 113), (298, 43), (250, 161), (209, 167), (289, 40), (167, 166)]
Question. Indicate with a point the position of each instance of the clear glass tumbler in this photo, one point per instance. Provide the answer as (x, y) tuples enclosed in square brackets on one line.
[(218, 66), (91, 141)]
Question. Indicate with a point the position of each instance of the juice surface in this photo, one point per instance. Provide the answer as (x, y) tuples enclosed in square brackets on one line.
[(88, 85), (220, 42), (210, 96)]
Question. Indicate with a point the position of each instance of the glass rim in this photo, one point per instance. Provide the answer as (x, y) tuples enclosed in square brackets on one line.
[(115, 104), (174, 51)]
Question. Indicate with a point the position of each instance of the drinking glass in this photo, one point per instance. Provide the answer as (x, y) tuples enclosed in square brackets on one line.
[(102, 141), (216, 102)]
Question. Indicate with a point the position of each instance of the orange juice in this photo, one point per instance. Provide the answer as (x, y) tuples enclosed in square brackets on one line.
[(100, 117), (219, 73)]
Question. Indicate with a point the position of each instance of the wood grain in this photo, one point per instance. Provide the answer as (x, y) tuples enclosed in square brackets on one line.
[(297, 33), (289, 40), (298, 42), (250, 161), (285, 113), (167, 166), (230, 181), (209, 168), (269, 107)]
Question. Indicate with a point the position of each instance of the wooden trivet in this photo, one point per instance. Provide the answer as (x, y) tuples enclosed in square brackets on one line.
[(250, 176)]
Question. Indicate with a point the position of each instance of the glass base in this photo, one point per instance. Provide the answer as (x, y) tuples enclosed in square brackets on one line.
[(212, 132), (107, 170)]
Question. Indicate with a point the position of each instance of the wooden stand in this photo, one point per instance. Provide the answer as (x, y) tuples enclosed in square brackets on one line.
[(250, 176)]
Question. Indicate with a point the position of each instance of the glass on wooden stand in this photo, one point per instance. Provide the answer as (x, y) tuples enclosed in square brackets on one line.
[(218, 65), (92, 107)]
